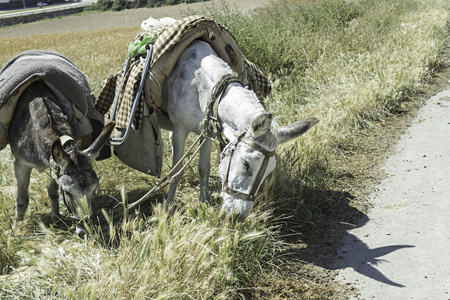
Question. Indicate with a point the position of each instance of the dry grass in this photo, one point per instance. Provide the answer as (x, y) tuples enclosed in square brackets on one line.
[(98, 53), (350, 66)]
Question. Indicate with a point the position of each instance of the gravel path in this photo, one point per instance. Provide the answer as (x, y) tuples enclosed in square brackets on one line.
[(401, 249)]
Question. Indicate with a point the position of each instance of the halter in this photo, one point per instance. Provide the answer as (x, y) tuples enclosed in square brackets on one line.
[(56, 171), (212, 123), (230, 148)]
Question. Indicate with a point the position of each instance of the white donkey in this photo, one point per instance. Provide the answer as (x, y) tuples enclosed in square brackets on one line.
[(254, 136)]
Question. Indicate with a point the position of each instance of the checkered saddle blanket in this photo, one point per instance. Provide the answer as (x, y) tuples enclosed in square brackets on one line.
[(168, 44)]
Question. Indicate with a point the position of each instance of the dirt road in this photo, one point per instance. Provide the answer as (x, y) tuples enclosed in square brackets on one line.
[(401, 249), (111, 19)]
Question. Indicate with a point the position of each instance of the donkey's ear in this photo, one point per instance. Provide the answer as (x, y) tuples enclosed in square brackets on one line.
[(295, 130), (101, 140), (261, 124), (59, 155)]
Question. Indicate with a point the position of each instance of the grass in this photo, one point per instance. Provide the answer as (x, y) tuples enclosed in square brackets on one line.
[(348, 63)]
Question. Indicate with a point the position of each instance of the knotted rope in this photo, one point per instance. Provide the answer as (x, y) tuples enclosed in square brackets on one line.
[(211, 123)]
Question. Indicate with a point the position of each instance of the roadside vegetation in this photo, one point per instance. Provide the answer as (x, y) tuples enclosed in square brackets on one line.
[(117, 5), (348, 63)]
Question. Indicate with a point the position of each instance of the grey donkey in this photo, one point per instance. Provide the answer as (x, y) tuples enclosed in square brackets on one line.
[(41, 137)]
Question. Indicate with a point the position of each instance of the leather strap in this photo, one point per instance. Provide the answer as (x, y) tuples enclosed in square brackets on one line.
[(262, 170)]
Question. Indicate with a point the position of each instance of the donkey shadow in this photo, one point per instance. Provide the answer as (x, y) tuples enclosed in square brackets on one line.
[(330, 245), (324, 239), (364, 260)]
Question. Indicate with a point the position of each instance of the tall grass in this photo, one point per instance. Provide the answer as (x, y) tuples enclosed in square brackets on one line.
[(349, 63), (194, 253)]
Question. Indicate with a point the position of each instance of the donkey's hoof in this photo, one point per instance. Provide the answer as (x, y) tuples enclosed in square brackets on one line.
[(17, 223), (55, 218)]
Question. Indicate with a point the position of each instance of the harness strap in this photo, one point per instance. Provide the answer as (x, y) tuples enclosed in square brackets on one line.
[(267, 155), (231, 147)]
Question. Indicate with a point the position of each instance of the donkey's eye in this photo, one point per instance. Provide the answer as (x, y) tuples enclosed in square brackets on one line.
[(245, 164)]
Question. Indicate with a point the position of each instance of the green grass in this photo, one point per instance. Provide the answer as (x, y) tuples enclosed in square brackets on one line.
[(348, 63)]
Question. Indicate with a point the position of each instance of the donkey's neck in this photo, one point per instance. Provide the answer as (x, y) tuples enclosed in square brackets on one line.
[(188, 91), (238, 107), (52, 119), (36, 122)]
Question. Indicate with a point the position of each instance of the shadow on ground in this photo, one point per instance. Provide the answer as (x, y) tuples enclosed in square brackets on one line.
[(364, 260), (113, 205), (323, 243)]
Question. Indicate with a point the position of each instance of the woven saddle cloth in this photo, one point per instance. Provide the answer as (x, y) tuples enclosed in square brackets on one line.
[(169, 42)]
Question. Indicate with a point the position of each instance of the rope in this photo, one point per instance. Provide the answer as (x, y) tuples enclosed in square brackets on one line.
[(211, 114), (170, 177)]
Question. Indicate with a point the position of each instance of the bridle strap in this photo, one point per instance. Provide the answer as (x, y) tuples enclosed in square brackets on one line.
[(55, 172), (61, 191), (250, 197), (231, 147), (257, 147), (260, 176), (267, 155)]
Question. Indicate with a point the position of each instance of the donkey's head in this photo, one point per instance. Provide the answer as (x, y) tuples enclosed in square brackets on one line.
[(72, 169), (249, 159)]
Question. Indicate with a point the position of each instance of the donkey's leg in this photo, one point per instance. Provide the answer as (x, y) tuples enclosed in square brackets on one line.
[(53, 194), (204, 167), (178, 139), (22, 173)]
